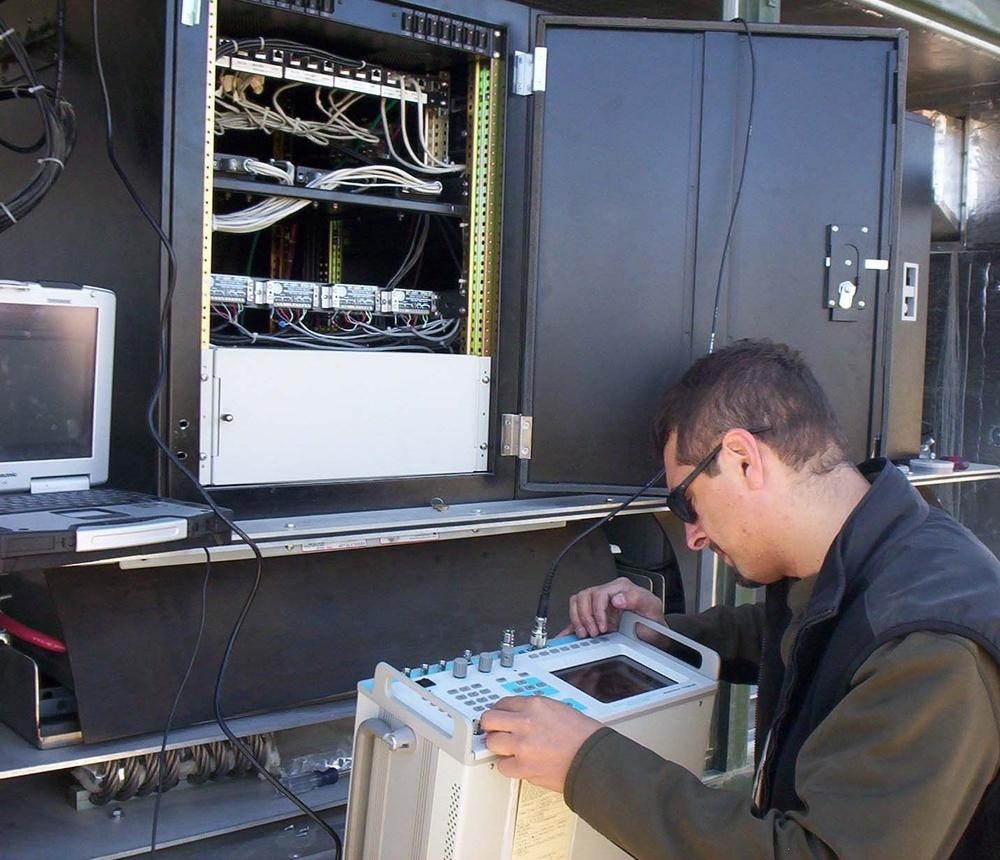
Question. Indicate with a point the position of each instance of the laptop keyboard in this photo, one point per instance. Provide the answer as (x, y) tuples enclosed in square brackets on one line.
[(16, 503)]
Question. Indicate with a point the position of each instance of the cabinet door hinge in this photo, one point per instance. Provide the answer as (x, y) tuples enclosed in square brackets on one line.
[(529, 71), (515, 437)]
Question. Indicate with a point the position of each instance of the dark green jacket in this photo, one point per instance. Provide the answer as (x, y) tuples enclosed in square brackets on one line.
[(885, 721)]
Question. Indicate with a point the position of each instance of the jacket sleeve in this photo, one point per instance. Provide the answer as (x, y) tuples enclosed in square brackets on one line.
[(734, 632), (896, 770)]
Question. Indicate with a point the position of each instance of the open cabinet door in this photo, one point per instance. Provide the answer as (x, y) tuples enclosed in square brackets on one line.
[(639, 145), (614, 206)]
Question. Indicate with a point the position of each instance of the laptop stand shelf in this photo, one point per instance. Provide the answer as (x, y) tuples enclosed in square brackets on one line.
[(43, 716)]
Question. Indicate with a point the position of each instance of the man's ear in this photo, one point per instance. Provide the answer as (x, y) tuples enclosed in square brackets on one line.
[(741, 449)]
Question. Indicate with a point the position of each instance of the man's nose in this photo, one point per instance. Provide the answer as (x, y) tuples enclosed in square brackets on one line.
[(695, 535)]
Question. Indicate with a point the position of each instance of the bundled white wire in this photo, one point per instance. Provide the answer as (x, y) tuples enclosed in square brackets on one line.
[(440, 332), (428, 163), (432, 336), (236, 111), (273, 209), (336, 109), (429, 336), (284, 175)]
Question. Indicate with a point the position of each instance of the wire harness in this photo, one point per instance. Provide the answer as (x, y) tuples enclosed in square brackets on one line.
[(139, 776), (58, 123), (274, 209), (237, 111)]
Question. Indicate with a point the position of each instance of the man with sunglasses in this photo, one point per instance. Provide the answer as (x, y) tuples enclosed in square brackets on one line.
[(876, 646)]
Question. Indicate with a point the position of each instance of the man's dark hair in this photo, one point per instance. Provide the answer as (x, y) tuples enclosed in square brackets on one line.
[(753, 384)]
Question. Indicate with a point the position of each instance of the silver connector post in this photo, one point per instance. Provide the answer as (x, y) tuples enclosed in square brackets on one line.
[(507, 648), (539, 636)]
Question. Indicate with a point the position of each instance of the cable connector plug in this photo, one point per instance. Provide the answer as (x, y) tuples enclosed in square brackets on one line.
[(539, 636)]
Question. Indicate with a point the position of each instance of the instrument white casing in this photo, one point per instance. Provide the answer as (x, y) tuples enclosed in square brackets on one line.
[(439, 796)]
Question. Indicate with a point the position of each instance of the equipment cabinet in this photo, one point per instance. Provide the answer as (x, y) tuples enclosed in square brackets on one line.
[(632, 192), (590, 204)]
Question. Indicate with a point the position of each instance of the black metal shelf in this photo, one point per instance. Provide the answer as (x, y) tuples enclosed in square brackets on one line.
[(345, 198)]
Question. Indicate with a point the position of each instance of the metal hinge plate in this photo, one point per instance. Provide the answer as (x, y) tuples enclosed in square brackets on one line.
[(515, 437), (529, 71)]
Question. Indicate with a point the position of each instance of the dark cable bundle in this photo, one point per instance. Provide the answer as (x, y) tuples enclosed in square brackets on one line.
[(58, 121), (139, 776)]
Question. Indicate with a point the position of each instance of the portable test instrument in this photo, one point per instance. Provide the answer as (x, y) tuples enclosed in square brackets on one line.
[(425, 787)]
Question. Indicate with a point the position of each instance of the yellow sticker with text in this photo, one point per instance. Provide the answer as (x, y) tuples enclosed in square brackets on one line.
[(543, 827)]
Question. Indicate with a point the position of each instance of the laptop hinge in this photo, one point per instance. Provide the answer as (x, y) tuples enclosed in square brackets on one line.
[(58, 485)]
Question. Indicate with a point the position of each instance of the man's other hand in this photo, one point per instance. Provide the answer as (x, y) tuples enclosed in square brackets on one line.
[(536, 738), (598, 609)]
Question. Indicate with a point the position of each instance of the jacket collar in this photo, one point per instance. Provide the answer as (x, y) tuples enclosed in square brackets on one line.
[(890, 506)]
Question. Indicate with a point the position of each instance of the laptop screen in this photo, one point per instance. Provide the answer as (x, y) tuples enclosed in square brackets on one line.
[(56, 355), (46, 381)]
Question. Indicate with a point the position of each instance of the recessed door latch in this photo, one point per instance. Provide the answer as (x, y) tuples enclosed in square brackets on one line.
[(850, 284)]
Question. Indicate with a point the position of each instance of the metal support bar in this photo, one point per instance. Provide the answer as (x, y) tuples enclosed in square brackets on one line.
[(755, 11)]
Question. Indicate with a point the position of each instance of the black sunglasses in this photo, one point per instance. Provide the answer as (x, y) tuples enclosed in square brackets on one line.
[(677, 499)]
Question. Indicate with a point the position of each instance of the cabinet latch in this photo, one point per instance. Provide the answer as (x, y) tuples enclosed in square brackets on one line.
[(529, 71), (849, 287), (515, 437)]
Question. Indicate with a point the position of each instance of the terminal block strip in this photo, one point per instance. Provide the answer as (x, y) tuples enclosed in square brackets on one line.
[(302, 65), (246, 291)]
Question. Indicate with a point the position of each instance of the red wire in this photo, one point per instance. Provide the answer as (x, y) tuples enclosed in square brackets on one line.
[(28, 634)]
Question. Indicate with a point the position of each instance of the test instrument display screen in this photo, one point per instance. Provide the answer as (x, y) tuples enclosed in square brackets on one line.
[(613, 679)]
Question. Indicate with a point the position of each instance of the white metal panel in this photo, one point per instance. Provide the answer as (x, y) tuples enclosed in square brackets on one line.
[(285, 416)]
